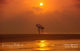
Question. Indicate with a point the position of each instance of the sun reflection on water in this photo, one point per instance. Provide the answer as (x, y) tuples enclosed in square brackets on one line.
[(42, 45)]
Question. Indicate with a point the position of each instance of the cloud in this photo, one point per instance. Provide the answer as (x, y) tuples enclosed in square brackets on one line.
[(37, 8), (2, 1), (77, 3)]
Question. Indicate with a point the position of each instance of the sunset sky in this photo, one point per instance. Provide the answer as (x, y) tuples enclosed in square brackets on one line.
[(57, 16)]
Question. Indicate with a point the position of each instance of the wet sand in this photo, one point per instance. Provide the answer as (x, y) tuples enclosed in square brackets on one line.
[(41, 45), (34, 42)]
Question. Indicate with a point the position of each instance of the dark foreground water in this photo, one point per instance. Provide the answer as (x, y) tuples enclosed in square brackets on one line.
[(41, 45)]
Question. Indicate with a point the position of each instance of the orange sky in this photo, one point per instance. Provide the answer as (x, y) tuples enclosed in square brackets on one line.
[(57, 16)]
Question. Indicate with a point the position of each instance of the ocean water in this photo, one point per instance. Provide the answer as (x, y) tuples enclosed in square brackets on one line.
[(41, 45)]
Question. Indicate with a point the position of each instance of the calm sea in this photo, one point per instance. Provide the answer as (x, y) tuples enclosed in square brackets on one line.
[(41, 45)]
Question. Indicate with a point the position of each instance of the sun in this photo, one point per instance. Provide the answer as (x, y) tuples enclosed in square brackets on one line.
[(41, 4)]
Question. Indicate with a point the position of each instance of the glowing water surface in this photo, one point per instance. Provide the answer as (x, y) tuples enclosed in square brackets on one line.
[(41, 45)]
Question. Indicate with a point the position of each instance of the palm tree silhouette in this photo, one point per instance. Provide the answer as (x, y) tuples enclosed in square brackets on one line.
[(40, 27)]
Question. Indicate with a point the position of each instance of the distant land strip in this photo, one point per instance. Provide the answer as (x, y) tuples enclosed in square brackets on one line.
[(29, 37)]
